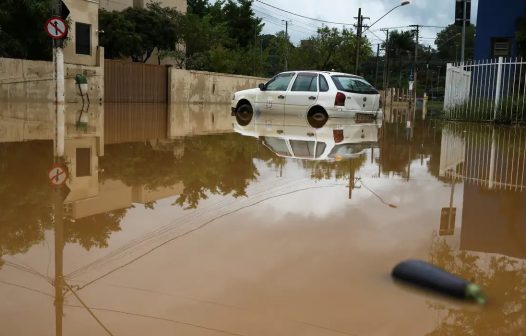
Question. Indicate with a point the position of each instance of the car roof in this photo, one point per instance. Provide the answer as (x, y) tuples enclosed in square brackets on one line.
[(330, 73)]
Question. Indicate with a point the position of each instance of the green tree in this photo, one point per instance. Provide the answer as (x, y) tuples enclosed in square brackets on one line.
[(137, 32), (330, 49), (22, 32), (448, 42)]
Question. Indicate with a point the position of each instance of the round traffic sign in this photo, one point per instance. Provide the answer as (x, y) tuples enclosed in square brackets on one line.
[(56, 28), (57, 175)]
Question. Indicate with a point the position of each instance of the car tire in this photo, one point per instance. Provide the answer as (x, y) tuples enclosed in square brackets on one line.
[(317, 117), (244, 114)]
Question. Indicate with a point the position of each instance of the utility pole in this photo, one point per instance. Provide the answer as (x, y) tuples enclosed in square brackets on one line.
[(415, 72), (462, 19), (417, 35), (464, 15), (386, 62), (376, 72), (359, 30), (286, 45)]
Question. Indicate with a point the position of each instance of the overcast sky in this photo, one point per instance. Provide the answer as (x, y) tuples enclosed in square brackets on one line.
[(423, 12)]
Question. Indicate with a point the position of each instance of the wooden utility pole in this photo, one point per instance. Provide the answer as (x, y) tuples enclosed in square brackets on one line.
[(359, 29)]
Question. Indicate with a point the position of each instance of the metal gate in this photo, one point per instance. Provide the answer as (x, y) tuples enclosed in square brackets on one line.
[(129, 82)]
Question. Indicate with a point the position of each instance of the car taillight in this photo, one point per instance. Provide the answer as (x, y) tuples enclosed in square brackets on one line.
[(337, 135), (340, 99)]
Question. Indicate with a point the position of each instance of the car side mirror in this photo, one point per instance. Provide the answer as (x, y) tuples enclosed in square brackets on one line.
[(262, 87)]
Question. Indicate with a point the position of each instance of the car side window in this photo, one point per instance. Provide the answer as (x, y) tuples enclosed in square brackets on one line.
[(306, 83), (278, 146), (280, 82), (324, 86)]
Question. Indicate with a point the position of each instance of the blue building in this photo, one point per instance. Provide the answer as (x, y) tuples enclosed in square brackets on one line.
[(496, 27)]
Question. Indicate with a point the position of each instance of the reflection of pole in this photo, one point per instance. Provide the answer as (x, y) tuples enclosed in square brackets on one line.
[(449, 221), (492, 160), (351, 177), (59, 258)]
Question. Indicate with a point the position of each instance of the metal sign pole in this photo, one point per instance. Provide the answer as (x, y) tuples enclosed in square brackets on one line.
[(58, 57)]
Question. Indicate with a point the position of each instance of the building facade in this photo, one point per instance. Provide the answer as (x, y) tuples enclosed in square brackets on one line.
[(496, 27), (83, 38), (119, 5)]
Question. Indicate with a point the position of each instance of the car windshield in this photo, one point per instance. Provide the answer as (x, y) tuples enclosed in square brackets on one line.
[(353, 85)]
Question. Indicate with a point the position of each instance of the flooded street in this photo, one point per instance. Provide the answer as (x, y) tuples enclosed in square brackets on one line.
[(185, 220)]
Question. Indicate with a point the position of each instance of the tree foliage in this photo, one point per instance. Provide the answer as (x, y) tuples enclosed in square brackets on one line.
[(22, 32), (449, 41), (137, 32)]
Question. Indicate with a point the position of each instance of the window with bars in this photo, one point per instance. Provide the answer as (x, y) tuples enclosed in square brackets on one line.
[(501, 47)]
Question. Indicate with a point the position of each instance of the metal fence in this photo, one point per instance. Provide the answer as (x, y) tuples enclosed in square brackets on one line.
[(128, 82), (492, 157), (486, 90)]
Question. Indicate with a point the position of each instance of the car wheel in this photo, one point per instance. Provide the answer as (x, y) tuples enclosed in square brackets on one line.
[(317, 117), (244, 114)]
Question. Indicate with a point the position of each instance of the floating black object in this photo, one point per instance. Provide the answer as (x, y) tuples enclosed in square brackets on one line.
[(425, 275)]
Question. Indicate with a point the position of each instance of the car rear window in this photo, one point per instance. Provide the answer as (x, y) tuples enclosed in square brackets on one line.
[(346, 150), (353, 85), (305, 149)]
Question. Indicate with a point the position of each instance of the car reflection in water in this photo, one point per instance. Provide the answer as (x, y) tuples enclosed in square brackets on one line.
[(295, 137)]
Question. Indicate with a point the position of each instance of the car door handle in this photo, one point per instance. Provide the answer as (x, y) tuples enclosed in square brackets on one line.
[(312, 97), (310, 134), (281, 97), (279, 131)]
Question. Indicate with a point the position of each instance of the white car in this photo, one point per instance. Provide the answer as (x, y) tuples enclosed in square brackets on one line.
[(315, 95), (293, 137)]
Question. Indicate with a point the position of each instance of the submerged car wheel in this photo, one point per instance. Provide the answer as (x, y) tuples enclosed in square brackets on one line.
[(317, 117), (244, 114)]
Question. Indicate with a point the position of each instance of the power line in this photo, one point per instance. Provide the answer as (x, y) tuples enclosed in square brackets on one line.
[(302, 16)]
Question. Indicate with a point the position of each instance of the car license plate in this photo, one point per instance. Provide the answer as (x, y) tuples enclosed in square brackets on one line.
[(364, 117)]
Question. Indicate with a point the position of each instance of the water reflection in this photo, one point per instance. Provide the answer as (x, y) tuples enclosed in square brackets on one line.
[(142, 175)]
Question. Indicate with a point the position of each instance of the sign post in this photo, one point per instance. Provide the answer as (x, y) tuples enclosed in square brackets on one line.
[(57, 28)]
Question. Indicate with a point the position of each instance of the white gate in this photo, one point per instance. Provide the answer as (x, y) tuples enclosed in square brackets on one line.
[(458, 84)]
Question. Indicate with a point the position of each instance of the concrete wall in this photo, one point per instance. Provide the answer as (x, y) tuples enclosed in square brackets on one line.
[(207, 87), (32, 81), (83, 12)]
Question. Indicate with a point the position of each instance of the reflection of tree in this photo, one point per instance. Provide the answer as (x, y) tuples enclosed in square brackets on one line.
[(93, 231), (218, 164), (339, 170), (501, 276), (24, 195)]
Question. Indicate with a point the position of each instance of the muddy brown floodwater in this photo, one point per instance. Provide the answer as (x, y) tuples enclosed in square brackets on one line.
[(176, 220)]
